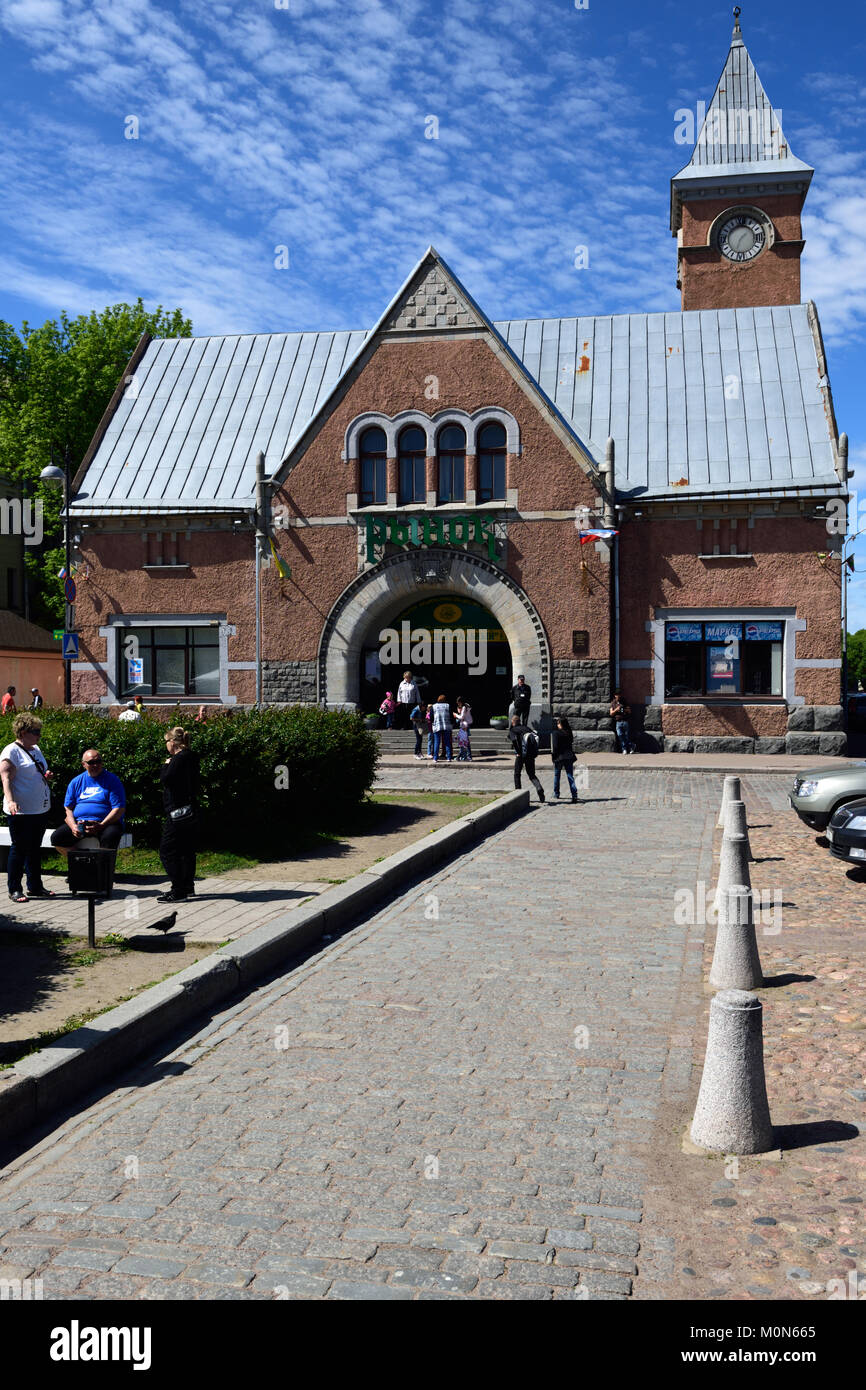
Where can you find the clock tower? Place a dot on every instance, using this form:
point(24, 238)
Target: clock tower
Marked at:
point(735, 207)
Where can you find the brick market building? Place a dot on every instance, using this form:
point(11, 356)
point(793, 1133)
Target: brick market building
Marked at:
point(440, 473)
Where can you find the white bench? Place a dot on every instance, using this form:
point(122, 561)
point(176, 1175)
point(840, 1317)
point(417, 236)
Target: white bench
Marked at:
point(89, 842)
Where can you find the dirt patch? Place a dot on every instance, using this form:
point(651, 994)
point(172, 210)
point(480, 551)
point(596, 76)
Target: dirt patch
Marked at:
point(402, 820)
point(48, 982)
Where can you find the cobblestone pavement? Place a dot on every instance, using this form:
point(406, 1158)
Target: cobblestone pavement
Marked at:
point(478, 1093)
point(789, 1227)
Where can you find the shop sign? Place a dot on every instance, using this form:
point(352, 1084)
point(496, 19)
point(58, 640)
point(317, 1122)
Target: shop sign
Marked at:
point(724, 632)
point(763, 632)
point(683, 632)
point(418, 531)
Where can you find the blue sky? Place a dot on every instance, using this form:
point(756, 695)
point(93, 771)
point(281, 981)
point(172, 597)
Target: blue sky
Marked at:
point(303, 124)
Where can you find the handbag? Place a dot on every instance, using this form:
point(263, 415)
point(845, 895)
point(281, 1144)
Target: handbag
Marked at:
point(182, 813)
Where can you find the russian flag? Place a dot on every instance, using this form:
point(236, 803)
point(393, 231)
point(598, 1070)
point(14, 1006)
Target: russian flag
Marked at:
point(596, 536)
point(61, 573)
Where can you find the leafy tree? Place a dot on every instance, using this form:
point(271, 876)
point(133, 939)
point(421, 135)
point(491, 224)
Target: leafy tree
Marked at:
point(856, 658)
point(55, 383)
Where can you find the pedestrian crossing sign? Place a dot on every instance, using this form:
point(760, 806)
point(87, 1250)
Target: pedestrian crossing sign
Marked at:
point(70, 646)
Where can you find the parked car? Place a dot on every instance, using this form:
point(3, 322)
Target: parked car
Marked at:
point(847, 832)
point(819, 792)
point(857, 711)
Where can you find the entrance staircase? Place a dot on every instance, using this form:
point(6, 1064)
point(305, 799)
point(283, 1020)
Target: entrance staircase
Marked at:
point(486, 743)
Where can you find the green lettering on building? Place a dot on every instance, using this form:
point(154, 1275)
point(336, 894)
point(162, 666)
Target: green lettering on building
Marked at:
point(463, 529)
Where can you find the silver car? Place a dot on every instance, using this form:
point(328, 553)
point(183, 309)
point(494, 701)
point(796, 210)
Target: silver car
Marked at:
point(820, 791)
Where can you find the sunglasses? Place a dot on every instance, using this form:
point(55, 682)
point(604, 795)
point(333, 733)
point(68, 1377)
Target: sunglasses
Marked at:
point(92, 762)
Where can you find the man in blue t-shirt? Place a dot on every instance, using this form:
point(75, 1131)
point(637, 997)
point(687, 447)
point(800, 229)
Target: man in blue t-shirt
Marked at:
point(95, 802)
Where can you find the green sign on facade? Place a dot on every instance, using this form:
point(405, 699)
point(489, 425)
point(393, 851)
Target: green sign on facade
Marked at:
point(430, 530)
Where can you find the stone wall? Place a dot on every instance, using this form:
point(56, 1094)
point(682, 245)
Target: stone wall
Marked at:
point(289, 682)
point(580, 684)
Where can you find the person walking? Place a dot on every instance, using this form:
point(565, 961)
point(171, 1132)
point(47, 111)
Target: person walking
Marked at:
point(179, 775)
point(139, 704)
point(7, 704)
point(562, 753)
point(130, 714)
point(387, 708)
point(521, 698)
point(419, 724)
point(525, 744)
point(37, 702)
point(26, 802)
point(620, 713)
point(95, 802)
point(407, 697)
point(442, 729)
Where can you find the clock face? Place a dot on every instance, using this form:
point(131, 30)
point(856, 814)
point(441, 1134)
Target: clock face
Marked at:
point(742, 237)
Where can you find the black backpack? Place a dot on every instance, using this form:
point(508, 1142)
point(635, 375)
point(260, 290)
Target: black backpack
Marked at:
point(530, 744)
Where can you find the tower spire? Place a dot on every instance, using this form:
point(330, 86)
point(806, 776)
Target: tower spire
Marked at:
point(737, 36)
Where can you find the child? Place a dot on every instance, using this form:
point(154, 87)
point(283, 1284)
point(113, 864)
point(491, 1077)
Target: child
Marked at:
point(388, 708)
point(419, 724)
point(464, 719)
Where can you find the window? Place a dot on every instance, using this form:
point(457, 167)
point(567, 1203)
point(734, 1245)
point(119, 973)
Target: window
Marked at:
point(723, 658)
point(374, 461)
point(452, 464)
point(168, 661)
point(491, 463)
point(412, 455)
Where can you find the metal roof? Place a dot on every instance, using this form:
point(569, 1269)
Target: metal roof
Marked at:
point(725, 399)
point(741, 131)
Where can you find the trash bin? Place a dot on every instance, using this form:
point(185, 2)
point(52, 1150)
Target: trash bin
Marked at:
point(92, 871)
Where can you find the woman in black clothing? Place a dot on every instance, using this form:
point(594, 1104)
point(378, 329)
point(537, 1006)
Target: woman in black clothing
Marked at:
point(179, 777)
point(562, 752)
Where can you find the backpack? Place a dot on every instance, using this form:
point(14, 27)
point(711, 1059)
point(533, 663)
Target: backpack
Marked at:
point(530, 744)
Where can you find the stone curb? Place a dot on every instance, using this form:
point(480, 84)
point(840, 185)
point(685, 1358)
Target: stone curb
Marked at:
point(47, 1080)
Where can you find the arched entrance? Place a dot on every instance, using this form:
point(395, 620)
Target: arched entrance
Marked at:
point(452, 644)
point(399, 581)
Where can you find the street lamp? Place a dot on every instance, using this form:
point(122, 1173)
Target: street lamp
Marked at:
point(62, 477)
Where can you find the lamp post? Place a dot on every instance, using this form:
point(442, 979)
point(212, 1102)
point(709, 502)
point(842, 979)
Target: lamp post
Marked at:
point(62, 477)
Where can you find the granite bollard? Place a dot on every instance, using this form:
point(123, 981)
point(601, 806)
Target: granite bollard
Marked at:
point(732, 1115)
point(736, 963)
point(730, 792)
point(733, 858)
point(737, 824)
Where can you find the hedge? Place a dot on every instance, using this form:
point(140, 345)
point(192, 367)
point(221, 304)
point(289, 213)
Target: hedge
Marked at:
point(328, 759)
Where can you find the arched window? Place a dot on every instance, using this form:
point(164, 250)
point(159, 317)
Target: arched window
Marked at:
point(373, 452)
point(412, 454)
point(491, 463)
point(452, 464)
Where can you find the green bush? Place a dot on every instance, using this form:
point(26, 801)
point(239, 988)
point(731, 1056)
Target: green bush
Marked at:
point(328, 756)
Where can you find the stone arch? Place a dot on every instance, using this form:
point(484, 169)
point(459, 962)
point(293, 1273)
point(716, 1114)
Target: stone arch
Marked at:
point(398, 579)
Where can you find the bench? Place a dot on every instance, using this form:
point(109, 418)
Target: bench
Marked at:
point(89, 842)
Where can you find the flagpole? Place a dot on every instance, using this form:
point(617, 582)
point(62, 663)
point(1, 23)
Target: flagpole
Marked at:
point(70, 611)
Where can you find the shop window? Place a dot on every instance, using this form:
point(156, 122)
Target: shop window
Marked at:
point(374, 464)
point(723, 658)
point(168, 661)
point(491, 463)
point(412, 455)
point(452, 464)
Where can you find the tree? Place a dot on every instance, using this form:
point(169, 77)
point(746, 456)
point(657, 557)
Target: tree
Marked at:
point(55, 383)
point(857, 659)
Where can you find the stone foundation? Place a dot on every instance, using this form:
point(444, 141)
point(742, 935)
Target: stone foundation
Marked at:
point(289, 682)
point(580, 683)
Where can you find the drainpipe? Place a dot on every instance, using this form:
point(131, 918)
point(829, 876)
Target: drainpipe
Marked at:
point(844, 474)
point(260, 540)
point(610, 521)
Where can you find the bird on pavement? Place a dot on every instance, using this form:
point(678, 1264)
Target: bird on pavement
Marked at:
point(165, 923)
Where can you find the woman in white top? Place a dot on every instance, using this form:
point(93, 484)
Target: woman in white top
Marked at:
point(441, 724)
point(26, 801)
